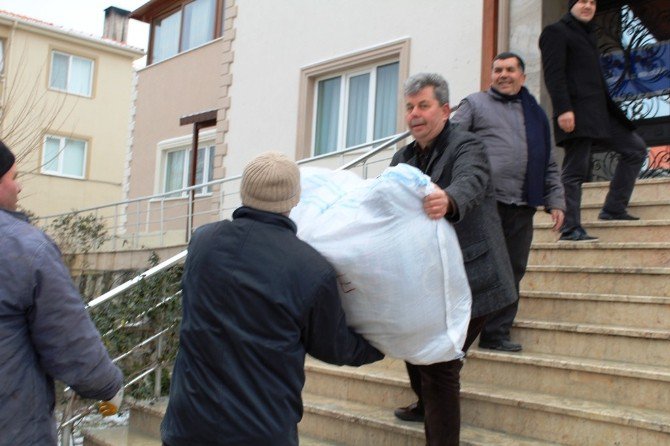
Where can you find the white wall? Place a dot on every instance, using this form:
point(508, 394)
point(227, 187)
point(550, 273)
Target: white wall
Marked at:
point(275, 39)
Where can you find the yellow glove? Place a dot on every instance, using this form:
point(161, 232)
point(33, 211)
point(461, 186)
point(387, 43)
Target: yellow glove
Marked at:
point(111, 407)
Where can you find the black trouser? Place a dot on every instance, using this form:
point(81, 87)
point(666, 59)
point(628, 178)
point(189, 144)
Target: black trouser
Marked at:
point(517, 224)
point(438, 387)
point(632, 150)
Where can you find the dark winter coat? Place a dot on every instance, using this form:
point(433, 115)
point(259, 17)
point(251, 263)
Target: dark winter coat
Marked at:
point(255, 300)
point(459, 165)
point(574, 79)
point(45, 334)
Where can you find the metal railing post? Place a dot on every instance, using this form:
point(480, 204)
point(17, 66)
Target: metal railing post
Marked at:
point(116, 227)
point(66, 432)
point(159, 369)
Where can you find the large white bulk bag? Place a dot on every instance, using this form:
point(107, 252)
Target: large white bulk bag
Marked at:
point(401, 275)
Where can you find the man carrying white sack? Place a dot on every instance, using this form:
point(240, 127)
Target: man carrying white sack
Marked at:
point(256, 299)
point(352, 222)
point(457, 163)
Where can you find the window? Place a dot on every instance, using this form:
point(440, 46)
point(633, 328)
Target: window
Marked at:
point(356, 107)
point(352, 99)
point(194, 23)
point(64, 156)
point(71, 74)
point(177, 169)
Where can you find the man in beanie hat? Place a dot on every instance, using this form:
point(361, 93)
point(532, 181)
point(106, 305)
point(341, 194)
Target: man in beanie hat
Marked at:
point(45, 331)
point(585, 114)
point(256, 299)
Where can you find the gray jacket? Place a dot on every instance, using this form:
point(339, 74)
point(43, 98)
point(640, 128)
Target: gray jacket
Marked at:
point(500, 126)
point(45, 334)
point(458, 164)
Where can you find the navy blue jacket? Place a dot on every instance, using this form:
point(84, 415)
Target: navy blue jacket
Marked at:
point(255, 300)
point(45, 334)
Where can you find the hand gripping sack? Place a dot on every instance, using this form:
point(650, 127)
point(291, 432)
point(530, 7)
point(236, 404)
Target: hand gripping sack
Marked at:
point(402, 281)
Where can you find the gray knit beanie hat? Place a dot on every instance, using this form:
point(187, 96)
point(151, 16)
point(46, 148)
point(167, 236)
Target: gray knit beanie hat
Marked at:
point(7, 159)
point(271, 182)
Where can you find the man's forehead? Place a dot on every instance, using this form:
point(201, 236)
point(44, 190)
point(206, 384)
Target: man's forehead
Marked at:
point(506, 62)
point(427, 92)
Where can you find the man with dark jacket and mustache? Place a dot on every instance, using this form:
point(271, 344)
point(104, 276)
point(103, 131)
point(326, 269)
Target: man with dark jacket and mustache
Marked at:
point(584, 114)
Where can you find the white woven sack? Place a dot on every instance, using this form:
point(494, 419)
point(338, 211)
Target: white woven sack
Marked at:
point(401, 275)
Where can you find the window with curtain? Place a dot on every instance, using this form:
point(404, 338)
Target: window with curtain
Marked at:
point(64, 156)
point(71, 74)
point(198, 23)
point(166, 36)
point(194, 23)
point(355, 107)
point(177, 169)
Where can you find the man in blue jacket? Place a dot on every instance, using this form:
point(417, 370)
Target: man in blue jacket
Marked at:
point(256, 299)
point(45, 331)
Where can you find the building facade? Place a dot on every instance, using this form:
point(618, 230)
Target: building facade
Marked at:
point(65, 111)
point(306, 78)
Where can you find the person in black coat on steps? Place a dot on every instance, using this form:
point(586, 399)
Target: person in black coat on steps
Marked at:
point(584, 114)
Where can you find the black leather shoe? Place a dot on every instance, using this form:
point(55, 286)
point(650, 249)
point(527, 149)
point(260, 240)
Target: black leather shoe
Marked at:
point(625, 216)
point(503, 346)
point(577, 235)
point(410, 413)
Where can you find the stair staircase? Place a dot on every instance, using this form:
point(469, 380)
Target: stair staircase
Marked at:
point(594, 321)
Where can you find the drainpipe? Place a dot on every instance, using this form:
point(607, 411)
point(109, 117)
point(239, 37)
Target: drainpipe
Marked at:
point(3, 76)
point(503, 25)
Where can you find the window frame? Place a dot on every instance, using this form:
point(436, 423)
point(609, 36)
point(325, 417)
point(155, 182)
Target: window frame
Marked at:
point(397, 51)
point(343, 118)
point(3, 55)
point(206, 140)
point(61, 151)
point(179, 6)
point(70, 57)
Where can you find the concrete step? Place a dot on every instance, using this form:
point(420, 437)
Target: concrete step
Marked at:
point(146, 416)
point(641, 386)
point(598, 280)
point(647, 210)
point(123, 436)
point(564, 420)
point(599, 342)
point(118, 436)
point(652, 189)
point(602, 254)
point(641, 231)
point(384, 384)
point(651, 312)
point(355, 424)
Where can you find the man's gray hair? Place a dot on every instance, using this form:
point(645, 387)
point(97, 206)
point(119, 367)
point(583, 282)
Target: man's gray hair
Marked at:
point(415, 83)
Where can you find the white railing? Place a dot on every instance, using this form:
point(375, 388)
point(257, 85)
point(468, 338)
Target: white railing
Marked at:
point(168, 219)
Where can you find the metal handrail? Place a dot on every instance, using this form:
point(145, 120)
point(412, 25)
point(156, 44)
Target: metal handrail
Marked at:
point(397, 138)
point(176, 194)
point(142, 314)
point(148, 273)
point(90, 408)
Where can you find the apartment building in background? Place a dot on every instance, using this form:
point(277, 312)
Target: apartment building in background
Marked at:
point(65, 110)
